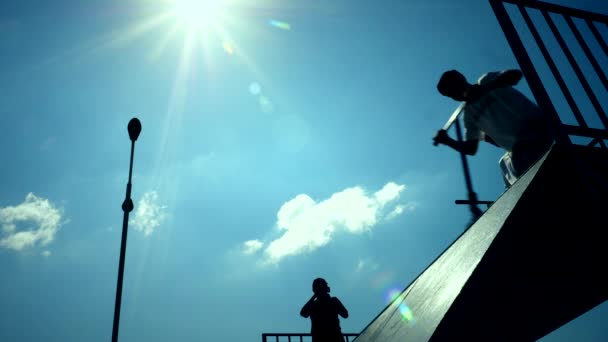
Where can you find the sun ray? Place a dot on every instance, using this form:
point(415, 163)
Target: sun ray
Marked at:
point(164, 41)
point(177, 100)
point(204, 43)
point(244, 57)
point(107, 41)
point(166, 172)
point(134, 31)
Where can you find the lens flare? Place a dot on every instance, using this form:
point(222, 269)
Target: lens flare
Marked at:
point(266, 105)
point(280, 25)
point(406, 314)
point(228, 47)
point(255, 88)
point(392, 294)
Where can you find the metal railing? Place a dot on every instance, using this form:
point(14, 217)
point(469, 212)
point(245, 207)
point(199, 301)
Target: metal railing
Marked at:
point(563, 131)
point(549, 13)
point(266, 337)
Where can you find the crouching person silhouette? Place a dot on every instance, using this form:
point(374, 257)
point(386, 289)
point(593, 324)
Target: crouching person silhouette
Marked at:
point(502, 116)
point(323, 311)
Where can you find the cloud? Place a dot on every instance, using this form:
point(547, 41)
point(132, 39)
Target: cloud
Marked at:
point(396, 212)
point(400, 209)
point(46, 254)
point(149, 214)
point(307, 225)
point(365, 265)
point(33, 222)
point(252, 246)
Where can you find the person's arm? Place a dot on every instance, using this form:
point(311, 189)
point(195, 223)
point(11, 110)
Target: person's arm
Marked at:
point(467, 147)
point(305, 312)
point(341, 309)
point(507, 78)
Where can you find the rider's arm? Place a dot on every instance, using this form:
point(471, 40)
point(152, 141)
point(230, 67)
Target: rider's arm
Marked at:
point(467, 147)
point(507, 78)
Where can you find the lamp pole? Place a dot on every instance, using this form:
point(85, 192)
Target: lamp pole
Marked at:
point(134, 128)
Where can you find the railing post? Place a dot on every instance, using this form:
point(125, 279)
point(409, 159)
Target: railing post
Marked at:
point(525, 63)
point(577, 69)
point(597, 35)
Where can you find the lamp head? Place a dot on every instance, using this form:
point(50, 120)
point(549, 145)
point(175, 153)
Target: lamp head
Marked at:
point(134, 129)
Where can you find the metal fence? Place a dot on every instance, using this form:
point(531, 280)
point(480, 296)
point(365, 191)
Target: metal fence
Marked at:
point(276, 337)
point(547, 15)
point(584, 29)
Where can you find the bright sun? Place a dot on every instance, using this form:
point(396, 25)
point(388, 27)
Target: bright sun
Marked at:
point(197, 14)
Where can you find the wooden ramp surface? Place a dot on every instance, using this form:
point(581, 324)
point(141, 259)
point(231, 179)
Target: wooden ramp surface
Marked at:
point(534, 261)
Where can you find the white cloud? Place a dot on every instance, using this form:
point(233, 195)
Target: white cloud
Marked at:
point(252, 246)
point(365, 264)
point(400, 209)
point(149, 214)
point(396, 212)
point(307, 225)
point(33, 222)
point(46, 253)
point(388, 193)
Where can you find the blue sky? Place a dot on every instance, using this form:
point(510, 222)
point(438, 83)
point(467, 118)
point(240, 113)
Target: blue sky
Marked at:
point(271, 153)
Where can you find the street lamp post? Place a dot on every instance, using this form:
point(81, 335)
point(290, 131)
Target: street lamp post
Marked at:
point(134, 129)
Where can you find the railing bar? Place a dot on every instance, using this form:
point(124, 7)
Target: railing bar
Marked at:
point(598, 36)
point(597, 141)
point(301, 338)
point(586, 132)
point(558, 77)
point(596, 66)
point(574, 12)
point(534, 82)
point(577, 69)
point(593, 142)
